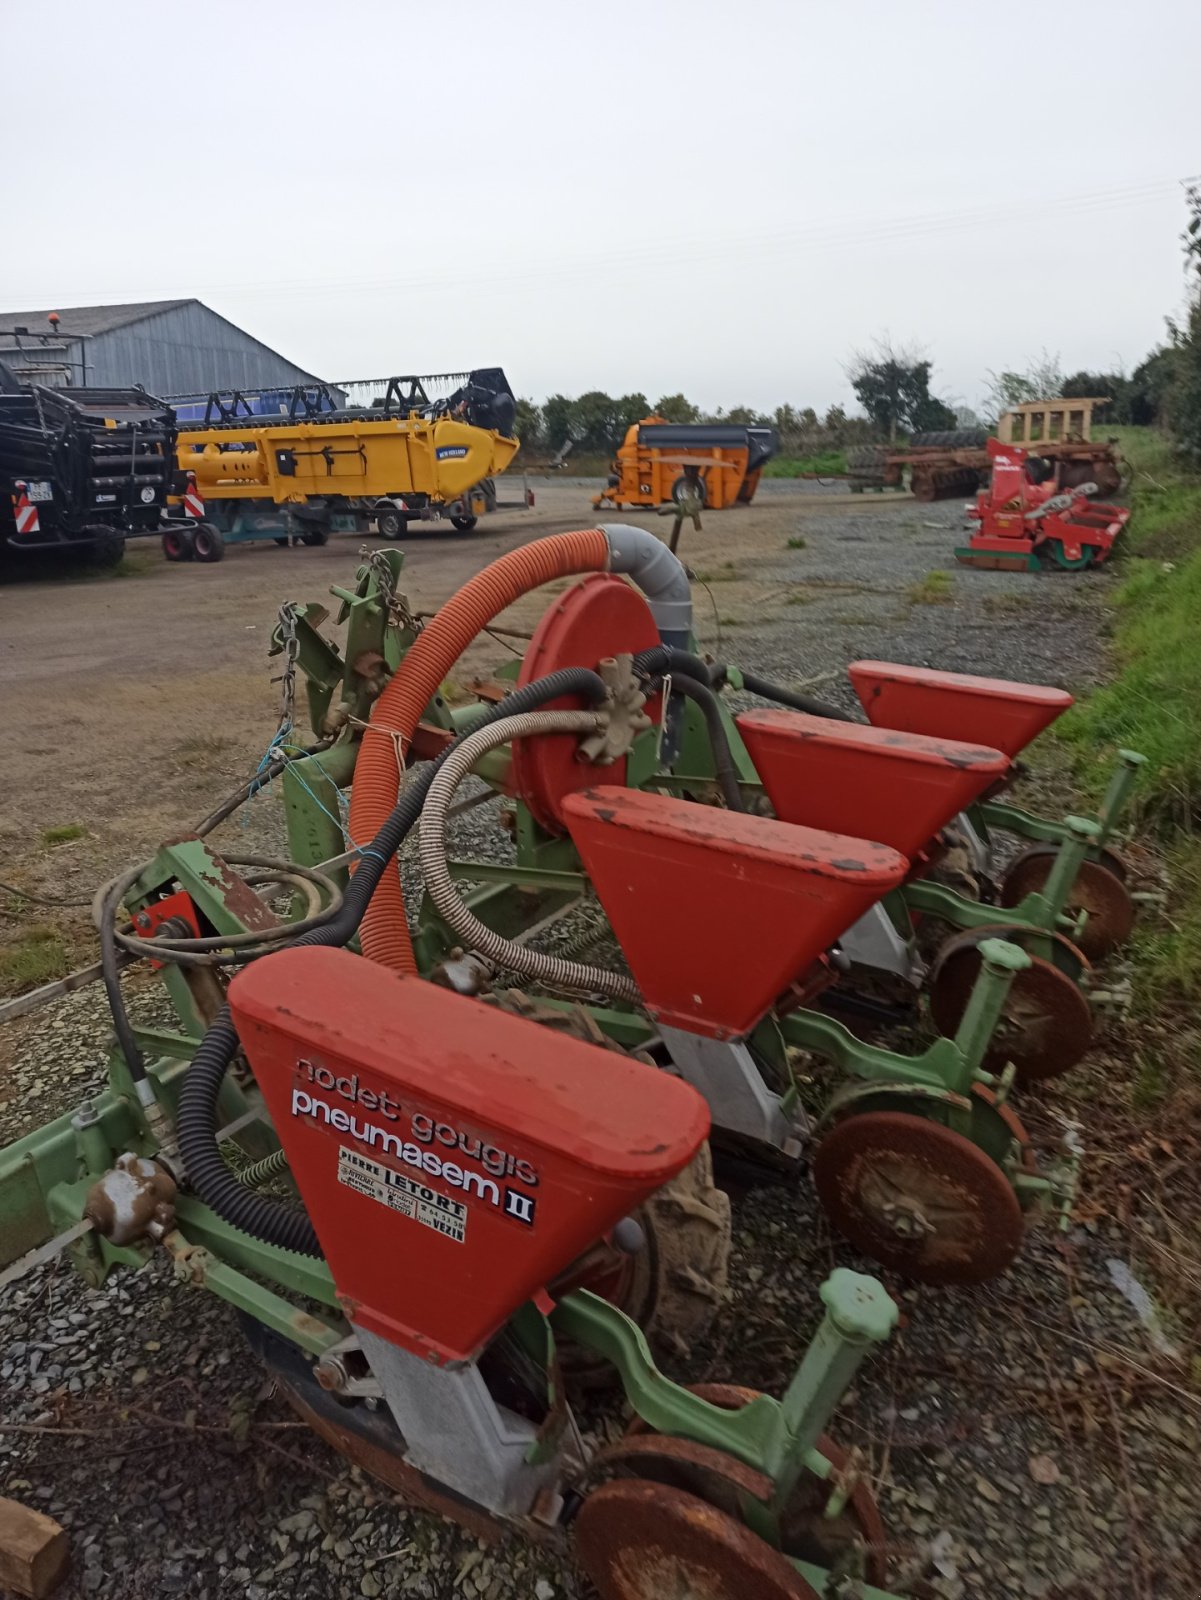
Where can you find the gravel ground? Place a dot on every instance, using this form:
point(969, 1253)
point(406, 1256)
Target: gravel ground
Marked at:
point(1030, 1439)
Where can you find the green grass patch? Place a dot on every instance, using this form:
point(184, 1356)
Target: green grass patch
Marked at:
point(1154, 704)
point(36, 955)
point(935, 589)
point(826, 464)
point(64, 833)
point(726, 573)
point(1167, 949)
point(797, 542)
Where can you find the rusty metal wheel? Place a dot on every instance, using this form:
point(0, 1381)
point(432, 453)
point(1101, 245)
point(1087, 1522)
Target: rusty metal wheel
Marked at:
point(1099, 889)
point(919, 1198)
point(1046, 1024)
point(805, 1532)
point(645, 1541)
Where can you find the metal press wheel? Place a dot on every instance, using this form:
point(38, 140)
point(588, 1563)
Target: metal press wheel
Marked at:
point(1046, 1023)
point(918, 1197)
point(639, 1540)
point(1100, 889)
point(854, 1538)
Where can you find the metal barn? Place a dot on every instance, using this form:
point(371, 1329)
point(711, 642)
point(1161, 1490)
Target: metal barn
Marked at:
point(170, 347)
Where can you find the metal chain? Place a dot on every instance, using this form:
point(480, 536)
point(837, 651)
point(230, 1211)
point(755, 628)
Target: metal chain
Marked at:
point(399, 614)
point(287, 678)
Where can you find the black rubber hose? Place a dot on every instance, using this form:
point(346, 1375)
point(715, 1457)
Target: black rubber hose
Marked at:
point(690, 676)
point(723, 758)
point(110, 964)
point(786, 697)
point(264, 1218)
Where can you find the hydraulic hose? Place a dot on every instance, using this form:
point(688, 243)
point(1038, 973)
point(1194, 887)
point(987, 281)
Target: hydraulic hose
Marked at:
point(448, 902)
point(723, 759)
point(394, 717)
point(787, 697)
point(691, 677)
point(260, 1215)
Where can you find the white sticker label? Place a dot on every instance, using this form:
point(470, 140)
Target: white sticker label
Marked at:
point(398, 1193)
point(40, 492)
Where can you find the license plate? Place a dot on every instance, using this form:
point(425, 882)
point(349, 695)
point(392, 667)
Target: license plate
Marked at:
point(39, 493)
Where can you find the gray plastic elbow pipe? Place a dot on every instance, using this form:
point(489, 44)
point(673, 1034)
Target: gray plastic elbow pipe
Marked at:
point(659, 574)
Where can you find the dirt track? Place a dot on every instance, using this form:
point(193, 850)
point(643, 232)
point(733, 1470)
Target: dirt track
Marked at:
point(132, 703)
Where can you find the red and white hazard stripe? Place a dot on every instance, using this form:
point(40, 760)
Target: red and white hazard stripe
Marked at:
point(24, 511)
point(193, 500)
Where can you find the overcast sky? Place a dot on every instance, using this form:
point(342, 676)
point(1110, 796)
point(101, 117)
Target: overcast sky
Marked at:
point(697, 195)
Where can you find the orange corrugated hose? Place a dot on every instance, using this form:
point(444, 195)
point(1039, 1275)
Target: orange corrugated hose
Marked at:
point(394, 717)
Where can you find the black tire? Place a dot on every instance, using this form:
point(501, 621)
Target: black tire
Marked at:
point(208, 543)
point(391, 524)
point(282, 543)
point(681, 487)
point(315, 537)
point(676, 1283)
point(464, 524)
point(106, 549)
point(950, 439)
point(178, 544)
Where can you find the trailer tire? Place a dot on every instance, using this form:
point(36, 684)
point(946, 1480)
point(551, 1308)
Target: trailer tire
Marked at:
point(682, 487)
point(106, 548)
point(391, 524)
point(464, 524)
point(315, 537)
point(178, 544)
point(208, 543)
point(950, 439)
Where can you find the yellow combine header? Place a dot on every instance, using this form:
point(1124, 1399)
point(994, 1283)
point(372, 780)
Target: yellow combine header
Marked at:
point(328, 467)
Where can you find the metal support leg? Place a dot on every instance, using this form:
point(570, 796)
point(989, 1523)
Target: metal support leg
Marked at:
point(1120, 785)
point(726, 1073)
point(1001, 963)
point(1082, 836)
point(859, 1314)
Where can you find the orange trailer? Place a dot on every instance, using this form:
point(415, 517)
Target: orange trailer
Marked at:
point(659, 459)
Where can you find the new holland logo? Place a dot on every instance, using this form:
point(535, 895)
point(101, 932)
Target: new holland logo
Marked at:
point(451, 452)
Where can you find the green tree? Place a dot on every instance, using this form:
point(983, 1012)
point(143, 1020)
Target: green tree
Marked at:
point(1182, 396)
point(529, 425)
point(893, 387)
point(675, 408)
point(1041, 380)
point(631, 408)
point(930, 415)
point(597, 421)
point(559, 421)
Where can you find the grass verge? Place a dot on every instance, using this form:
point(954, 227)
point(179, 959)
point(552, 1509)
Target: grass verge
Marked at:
point(1154, 705)
point(826, 464)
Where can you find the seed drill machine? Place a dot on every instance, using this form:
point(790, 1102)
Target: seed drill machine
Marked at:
point(452, 1160)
